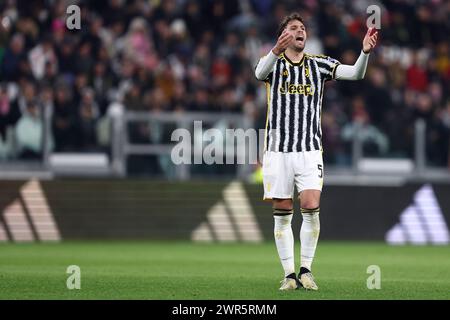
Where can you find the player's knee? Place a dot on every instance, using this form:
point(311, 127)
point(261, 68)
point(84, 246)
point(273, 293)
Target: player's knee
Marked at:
point(309, 199)
point(283, 204)
point(282, 214)
point(310, 204)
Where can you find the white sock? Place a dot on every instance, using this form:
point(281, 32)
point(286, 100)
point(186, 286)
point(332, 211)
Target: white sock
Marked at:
point(284, 240)
point(309, 235)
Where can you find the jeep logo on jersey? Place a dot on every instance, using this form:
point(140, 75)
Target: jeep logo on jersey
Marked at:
point(289, 88)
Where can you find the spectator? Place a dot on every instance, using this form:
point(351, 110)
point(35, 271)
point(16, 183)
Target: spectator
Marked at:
point(30, 133)
point(64, 117)
point(89, 114)
point(9, 112)
point(27, 93)
point(138, 46)
point(84, 61)
point(12, 58)
point(374, 142)
point(416, 74)
point(377, 96)
point(66, 56)
point(193, 18)
point(103, 84)
point(133, 98)
point(41, 58)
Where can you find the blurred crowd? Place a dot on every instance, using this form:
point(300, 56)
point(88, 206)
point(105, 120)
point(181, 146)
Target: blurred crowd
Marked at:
point(199, 55)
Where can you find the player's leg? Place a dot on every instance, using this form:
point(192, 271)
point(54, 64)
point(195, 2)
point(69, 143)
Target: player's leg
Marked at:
point(309, 183)
point(279, 187)
point(284, 240)
point(310, 229)
point(309, 235)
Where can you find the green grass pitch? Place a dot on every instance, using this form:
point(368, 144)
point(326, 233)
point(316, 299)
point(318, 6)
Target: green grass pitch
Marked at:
point(183, 270)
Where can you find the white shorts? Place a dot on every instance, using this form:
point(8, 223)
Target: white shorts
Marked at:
point(282, 170)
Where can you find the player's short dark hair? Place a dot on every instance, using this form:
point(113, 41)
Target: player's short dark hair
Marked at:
point(287, 19)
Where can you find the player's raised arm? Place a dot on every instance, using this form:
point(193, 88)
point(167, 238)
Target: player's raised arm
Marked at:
point(358, 70)
point(266, 63)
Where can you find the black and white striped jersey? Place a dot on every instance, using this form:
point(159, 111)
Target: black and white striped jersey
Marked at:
point(294, 98)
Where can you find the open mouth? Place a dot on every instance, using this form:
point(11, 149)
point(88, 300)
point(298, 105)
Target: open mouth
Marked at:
point(299, 38)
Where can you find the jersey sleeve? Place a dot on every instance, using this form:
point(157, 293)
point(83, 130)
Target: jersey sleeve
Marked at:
point(327, 66)
point(268, 78)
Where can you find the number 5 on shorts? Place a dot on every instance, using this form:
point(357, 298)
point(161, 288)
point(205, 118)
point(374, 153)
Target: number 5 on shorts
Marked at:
point(319, 166)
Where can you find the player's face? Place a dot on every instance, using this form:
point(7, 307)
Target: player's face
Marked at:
point(298, 30)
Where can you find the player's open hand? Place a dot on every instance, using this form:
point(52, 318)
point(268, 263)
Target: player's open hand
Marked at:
point(283, 42)
point(370, 40)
